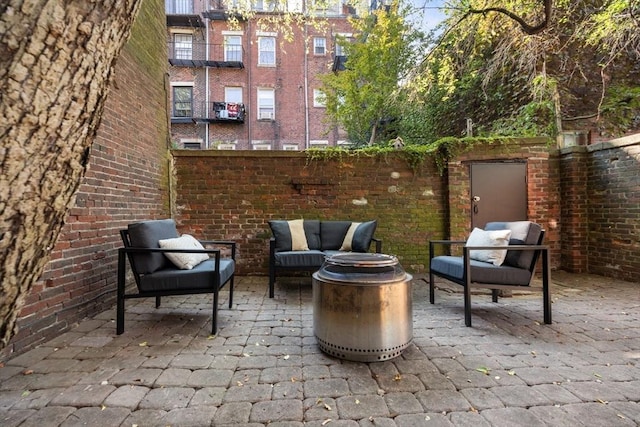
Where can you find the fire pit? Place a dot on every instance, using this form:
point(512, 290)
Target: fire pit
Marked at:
point(362, 307)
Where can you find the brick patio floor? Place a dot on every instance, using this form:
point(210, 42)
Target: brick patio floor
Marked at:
point(265, 368)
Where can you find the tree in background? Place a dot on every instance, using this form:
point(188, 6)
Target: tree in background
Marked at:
point(56, 64)
point(366, 98)
point(581, 65)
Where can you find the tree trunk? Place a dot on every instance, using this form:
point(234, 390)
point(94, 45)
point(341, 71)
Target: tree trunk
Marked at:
point(56, 63)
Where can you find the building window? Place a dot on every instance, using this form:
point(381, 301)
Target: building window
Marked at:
point(233, 94)
point(319, 45)
point(318, 143)
point(191, 143)
point(266, 104)
point(179, 7)
point(266, 51)
point(340, 42)
point(319, 99)
point(182, 101)
point(290, 147)
point(183, 46)
point(233, 48)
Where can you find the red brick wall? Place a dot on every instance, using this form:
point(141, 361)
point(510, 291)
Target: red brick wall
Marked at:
point(232, 195)
point(126, 181)
point(542, 185)
point(613, 207)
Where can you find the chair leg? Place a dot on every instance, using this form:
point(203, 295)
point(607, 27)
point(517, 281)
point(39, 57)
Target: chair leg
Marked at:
point(120, 294)
point(214, 314)
point(432, 293)
point(467, 305)
point(157, 302)
point(231, 291)
point(272, 280)
point(546, 291)
point(494, 295)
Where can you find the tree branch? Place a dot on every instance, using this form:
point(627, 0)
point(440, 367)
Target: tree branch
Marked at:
point(528, 29)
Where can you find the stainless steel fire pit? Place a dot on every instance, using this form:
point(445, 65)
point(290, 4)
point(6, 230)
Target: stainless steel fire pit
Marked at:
point(362, 307)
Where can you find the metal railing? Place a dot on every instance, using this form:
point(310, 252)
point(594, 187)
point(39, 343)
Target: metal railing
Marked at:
point(211, 111)
point(197, 51)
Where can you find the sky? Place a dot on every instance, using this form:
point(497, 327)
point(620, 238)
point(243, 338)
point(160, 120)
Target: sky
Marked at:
point(430, 13)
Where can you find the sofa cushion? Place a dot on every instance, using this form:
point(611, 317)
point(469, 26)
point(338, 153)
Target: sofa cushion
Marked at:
point(288, 234)
point(358, 237)
point(522, 233)
point(497, 238)
point(481, 272)
point(202, 276)
point(310, 258)
point(332, 234)
point(147, 234)
point(184, 260)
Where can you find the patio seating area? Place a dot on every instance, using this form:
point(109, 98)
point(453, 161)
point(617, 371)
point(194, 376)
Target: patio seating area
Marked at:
point(264, 366)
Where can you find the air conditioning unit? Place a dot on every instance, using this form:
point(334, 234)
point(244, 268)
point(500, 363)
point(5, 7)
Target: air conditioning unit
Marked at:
point(266, 115)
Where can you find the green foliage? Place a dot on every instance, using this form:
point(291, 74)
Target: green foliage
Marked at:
point(365, 99)
point(439, 151)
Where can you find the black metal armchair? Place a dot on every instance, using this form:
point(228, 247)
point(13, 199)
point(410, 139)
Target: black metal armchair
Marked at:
point(515, 272)
point(157, 276)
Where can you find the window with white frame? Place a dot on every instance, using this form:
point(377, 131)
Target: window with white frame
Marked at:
point(266, 50)
point(233, 48)
point(233, 94)
point(183, 46)
point(319, 143)
point(340, 42)
point(191, 143)
point(319, 45)
point(290, 147)
point(266, 104)
point(262, 146)
point(182, 101)
point(319, 98)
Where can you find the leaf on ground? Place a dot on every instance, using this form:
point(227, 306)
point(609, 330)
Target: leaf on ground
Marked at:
point(483, 370)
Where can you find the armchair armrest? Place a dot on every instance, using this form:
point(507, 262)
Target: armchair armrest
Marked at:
point(225, 243)
point(433, 243)
point(378, 243)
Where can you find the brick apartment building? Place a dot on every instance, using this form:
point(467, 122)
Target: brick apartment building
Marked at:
point(247, 87)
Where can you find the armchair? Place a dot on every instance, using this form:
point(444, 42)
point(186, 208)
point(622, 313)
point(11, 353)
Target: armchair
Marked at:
point(202, 271)
point(516, 271)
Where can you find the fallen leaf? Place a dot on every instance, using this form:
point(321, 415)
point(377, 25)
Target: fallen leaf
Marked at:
point(483, 370)
point(26, 393)
point(143, 344)
point(27, 372)
point(398, 377)
point(286, 357)
point(327, 421)
point(511, 373)
point(327, 407)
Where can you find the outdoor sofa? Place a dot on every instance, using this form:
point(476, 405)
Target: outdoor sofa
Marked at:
point(303, 245)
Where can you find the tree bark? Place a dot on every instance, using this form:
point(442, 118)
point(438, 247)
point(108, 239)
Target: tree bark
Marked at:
point(56, 64)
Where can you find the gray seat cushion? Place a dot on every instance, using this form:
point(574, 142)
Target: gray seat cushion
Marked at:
point(308, 258)
point(522, 233)
point(481, 272)
point(202, 276)
point(147, 234)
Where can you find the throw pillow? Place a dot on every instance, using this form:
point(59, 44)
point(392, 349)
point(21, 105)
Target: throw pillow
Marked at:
point(298, 238)
point(348, 239)
point(289, 235)
point(184, 260)
point(496, 238)
point(358, 237)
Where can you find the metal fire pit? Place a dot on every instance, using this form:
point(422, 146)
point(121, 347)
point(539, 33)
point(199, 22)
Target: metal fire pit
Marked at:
point(362, 307)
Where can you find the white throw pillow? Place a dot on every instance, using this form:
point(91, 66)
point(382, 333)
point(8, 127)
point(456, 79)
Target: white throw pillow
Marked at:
point(298, 237)
point(347, 243)
point(496, 238)
point(184, 261)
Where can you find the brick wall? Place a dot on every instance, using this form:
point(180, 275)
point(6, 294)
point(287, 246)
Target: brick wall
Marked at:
point(613, 208)
point(127, 180)
point(232, 195)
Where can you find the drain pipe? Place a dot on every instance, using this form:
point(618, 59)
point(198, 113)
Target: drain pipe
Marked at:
point(306, 80)
point(206, 85)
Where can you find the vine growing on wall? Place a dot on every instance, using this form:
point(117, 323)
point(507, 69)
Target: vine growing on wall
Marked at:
point(440, 151)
